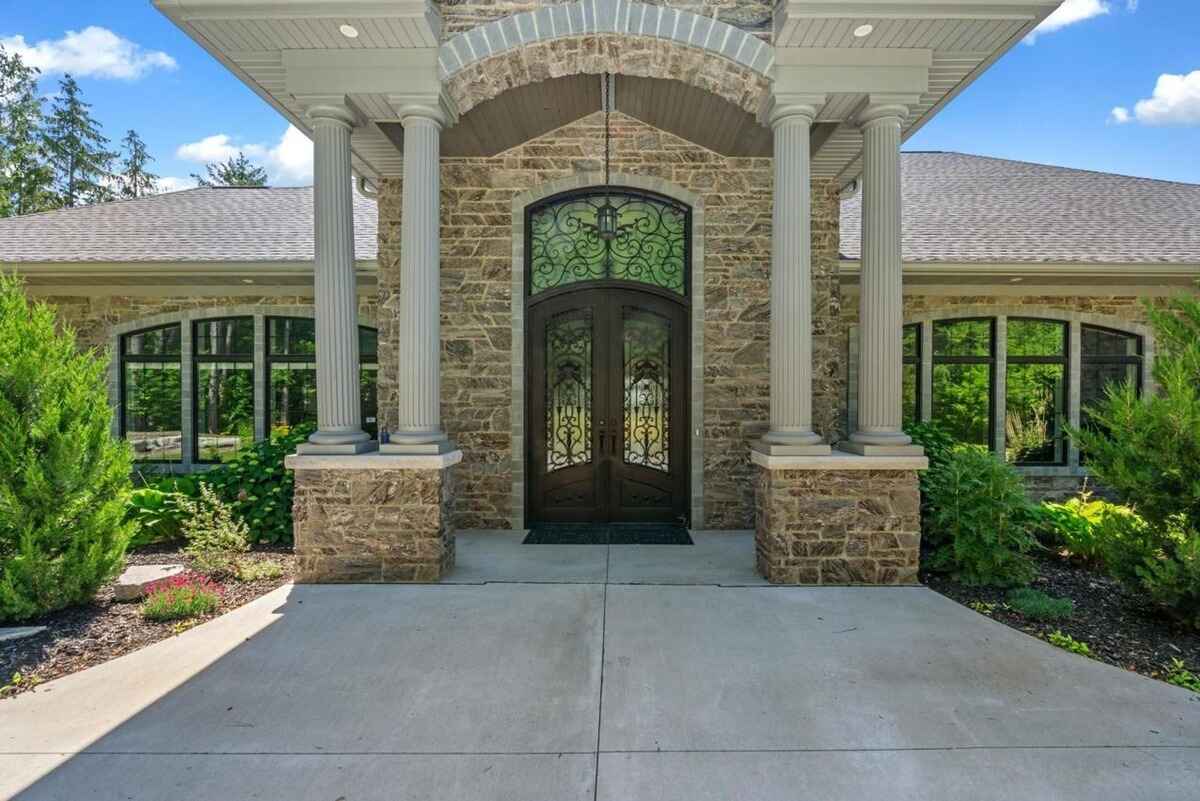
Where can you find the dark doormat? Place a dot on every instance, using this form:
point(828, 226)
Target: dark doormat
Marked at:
point(607, 534)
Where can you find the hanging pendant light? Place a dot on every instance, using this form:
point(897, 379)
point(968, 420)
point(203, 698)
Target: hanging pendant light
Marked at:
point(606, 215)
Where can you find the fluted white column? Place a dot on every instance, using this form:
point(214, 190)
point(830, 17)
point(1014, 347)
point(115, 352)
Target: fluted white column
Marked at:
point(881, 294)
point(339, 408)
point(791, 287)
point(420, 421)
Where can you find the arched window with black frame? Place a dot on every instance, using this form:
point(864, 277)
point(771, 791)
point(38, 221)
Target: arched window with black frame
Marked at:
point(150, 387)
point(223, 386)
point(1035, 389)
point(1107, 357)
point(292, 374)
point(964, 360)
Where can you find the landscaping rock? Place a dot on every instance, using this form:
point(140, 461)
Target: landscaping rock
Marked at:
point(20, 632)
point(132, 584)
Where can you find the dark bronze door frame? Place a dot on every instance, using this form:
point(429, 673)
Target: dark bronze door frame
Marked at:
point(608, 414)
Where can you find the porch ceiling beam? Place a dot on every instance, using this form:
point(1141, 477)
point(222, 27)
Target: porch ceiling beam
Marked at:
point(303, 9)
point(851, 70)
point(786, 10)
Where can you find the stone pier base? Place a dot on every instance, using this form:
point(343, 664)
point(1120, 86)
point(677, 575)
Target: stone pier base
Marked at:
point(841, 519)
point(373, 518)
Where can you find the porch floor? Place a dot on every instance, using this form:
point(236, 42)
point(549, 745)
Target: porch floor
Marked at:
point(723, 558)
point(582, 690)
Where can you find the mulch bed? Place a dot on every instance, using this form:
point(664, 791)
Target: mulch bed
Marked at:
point(83, 636)
point(1120, 627)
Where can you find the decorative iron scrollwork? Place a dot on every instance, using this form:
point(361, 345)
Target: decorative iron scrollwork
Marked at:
point(568, 390)
point(647, 351)
point(649, 247)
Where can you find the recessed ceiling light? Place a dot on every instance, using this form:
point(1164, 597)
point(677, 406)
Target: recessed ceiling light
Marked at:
point(863, 30)
point(349, 31)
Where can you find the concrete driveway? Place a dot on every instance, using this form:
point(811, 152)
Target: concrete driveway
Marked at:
point(598, 690)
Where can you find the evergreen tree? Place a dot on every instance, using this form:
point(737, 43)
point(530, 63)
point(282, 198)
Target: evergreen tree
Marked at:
point(26, 181)
point(64, 480)
point(78, 151)
point(135, 180)
point(235, 171)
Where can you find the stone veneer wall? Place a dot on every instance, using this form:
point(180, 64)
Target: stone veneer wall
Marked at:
point(477, 304)
point(365, 526)
point(94, 317)
point(837, 526)
point(749, 15)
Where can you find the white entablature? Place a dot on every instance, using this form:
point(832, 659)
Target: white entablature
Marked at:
point(294, 54)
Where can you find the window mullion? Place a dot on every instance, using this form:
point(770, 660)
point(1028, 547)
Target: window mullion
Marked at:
point(1074, 386)
point(1000, 383)
point(187, 429)
point(260, 377)
point(926, 372)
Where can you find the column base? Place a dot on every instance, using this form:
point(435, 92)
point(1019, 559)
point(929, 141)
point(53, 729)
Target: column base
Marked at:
point(781, 449)
point(417, 448)
point(868, 449)
point(344, 449)
point(839, 520)
point(373, 518)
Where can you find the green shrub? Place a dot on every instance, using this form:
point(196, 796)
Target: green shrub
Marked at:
point(1037, 605)
point(978, 520)
point(1180, 676)
point(63, 479)
point(181, 597)
point(215, 538)
point(1078, 524)
point(157, 514)
point(1147, 450)
point(259, 488)
point(248, 570)
point(1069, 643)
point(937, 441)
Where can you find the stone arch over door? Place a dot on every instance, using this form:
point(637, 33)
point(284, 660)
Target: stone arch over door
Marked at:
point(614, 36)
point(696, 289)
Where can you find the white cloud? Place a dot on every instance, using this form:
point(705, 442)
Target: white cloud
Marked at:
point(1069, 13)
point(1176, 101)
point(288, 161)
point(291, 161)
point(217, 147)
point(94, 52)
point(171, 183)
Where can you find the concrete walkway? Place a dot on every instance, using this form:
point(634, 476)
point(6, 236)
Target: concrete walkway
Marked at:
point(593, 689)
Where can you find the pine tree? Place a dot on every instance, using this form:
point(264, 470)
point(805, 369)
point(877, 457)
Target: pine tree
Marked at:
point(235, 171)
point(77, 150)
point(135, 180)
point(26, 181)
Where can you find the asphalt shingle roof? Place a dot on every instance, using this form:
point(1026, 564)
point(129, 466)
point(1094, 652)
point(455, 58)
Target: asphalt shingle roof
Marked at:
point(960, 209)
point(196, 225)
point(957, 209)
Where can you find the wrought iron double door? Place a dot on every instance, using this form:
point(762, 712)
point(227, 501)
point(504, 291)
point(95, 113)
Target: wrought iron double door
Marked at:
point(608, 413)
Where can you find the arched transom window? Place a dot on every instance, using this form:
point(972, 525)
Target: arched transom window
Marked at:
point(608, 235)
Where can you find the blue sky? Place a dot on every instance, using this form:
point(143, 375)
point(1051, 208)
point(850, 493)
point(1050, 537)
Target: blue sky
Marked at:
point(1050, 101)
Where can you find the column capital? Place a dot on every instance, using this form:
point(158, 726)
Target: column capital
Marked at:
point(784, 106)
point(417, 113)
point(886, 109)
point(332, 112)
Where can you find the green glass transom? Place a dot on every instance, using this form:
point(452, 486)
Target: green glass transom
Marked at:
point(649, 246)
